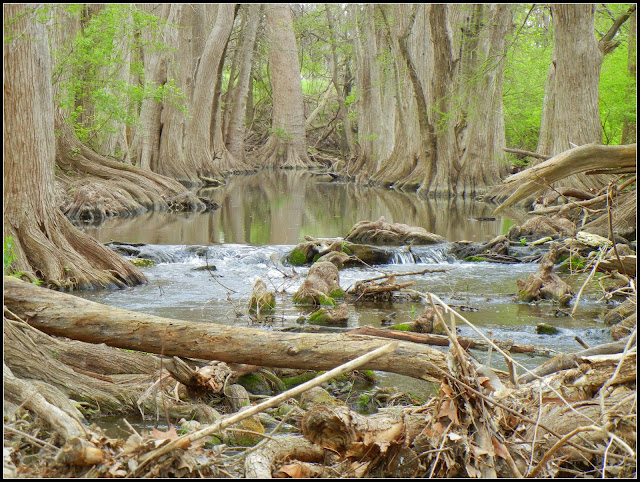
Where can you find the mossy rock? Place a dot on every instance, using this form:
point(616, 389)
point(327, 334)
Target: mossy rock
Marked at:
point(256, 384)
point(318, 396)
point(142, 262)
point(337, 293)
point(296, 257)
point(546, 329)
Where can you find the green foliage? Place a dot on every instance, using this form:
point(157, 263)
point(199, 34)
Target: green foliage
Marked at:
point(528, 60)
point(617, 95)
point(9, 255)
point(92, 69)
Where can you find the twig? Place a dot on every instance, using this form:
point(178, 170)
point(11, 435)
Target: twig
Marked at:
point(593, 271)
point(563, 440)
point(30, 437)
point(187, 439)
point(612, 237)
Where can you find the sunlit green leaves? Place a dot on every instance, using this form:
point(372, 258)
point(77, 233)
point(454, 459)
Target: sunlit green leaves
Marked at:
point(100, 73)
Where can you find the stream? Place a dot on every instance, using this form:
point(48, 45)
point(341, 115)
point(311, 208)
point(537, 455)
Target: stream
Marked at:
point(268, 213)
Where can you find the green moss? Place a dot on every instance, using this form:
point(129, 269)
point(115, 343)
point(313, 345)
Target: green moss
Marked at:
point(296, 257)
point(326, 300)
point(474, 259)
point(142, 262)
point(255, 383)
point(545, 329)
point(345, 248)
point(337, 293)
point(369, 374)
point(402, 327)
point(363, 401)
point(319, 316)
point(316, 258)
point(290, 382)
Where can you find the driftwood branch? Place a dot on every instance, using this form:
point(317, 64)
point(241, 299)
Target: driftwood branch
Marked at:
point(573, 161)
point(521, 152)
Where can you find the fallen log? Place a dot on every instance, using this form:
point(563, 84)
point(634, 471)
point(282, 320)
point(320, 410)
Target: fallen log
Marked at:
point(573, 161)
point(61, 314)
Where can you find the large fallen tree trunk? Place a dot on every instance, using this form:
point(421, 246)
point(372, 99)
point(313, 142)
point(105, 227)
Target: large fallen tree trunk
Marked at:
point(60, 314)
point(580, 159)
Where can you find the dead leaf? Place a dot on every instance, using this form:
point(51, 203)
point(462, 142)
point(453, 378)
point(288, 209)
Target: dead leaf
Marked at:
point(296, 470)
point(170, 434)
point(360, 468)
point(446, 389)
point(448, 409)
point(500, 448)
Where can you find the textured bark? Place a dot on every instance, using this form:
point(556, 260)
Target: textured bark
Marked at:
point(348, 144)
point(172, 161)
point(60, 314)
point(199, 142)
point(147, 135)
point(577, 160)
point(237, 117)
point(46, 245)
point(482, 164)
point(287, 145)
point(371, 136)
point(629, 126)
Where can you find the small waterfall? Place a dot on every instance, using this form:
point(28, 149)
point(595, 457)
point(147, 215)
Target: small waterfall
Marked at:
point(435, 254)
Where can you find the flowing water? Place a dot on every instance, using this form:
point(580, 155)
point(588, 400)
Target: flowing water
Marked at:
point(268, 213)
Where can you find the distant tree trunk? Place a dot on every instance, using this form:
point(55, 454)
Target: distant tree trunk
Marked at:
point(571, 113)
point(404, 167)
point(172, 161)
point(443, 163)
point(287, 145)
point(578, 62)
point(147, 136)
point(237, 118)
point(199, 146)
point(483, 161)
point(348, 143)
point(373, 144)
point(46, 244)
point(629, 126)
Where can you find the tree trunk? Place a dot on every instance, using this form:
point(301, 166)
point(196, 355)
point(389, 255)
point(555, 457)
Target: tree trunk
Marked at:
point(348, 146)
point(46, 245)
point(287, 145)
point(483, 162)
point(60, 314)
point(629, 126)
point(147, 135)
point(237, 118)
point(199, 142)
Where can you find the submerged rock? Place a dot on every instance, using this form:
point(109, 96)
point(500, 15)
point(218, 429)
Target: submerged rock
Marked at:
point(381, 232)
point(326, 316)
point(542, 226)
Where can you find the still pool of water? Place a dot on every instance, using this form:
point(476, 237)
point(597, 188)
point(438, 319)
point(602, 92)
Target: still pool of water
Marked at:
point(268, 213)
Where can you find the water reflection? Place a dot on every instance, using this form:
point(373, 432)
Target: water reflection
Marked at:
point(276, 207)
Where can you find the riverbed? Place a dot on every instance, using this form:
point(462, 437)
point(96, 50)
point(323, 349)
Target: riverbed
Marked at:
point(263, 216)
